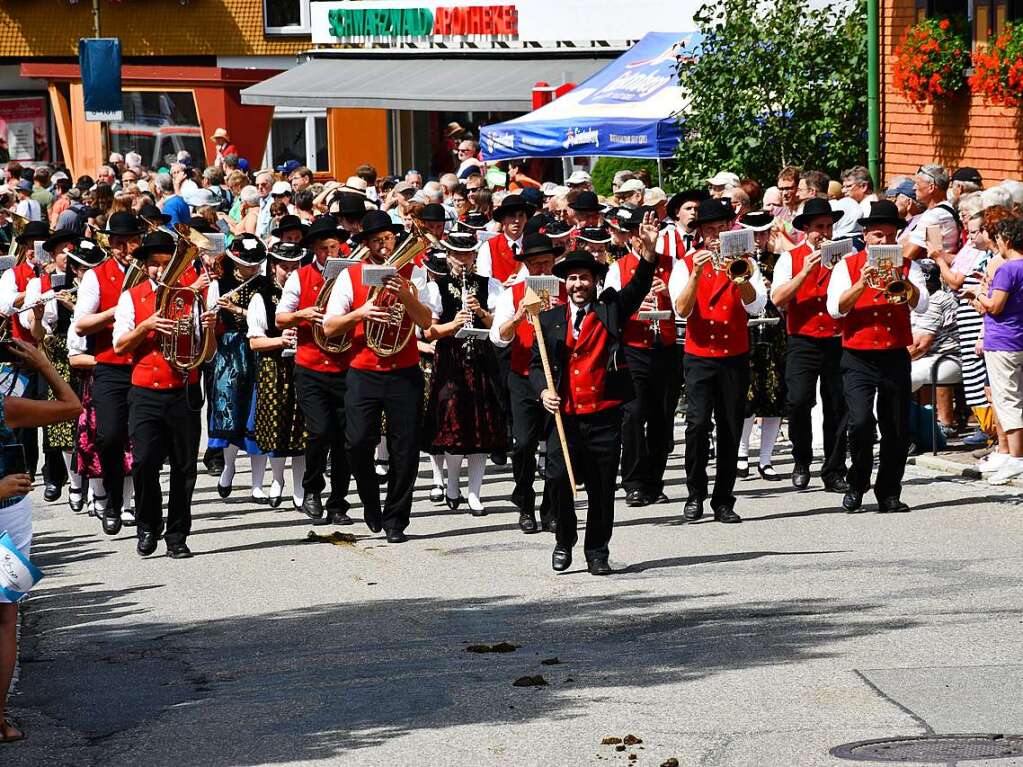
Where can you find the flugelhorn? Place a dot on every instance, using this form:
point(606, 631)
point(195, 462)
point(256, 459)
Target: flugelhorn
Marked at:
point(887, 261)
point(733, 255)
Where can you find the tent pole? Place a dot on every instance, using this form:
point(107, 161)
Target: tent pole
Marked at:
point(660, 173)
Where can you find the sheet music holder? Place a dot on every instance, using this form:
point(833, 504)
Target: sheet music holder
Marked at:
point(219, 240)
point(7, 262)
point(42, 256)
point(541, 283)
point(884, 255)
point(373, 276)
point(738, 242)
point(756, 321)
point(835, 251)
point(334, 266)
point(57, 282)
point(655, 315)
point(467, 332)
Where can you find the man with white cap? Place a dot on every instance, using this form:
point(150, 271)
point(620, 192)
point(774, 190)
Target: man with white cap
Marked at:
point(630, 194)
point(721, 182)
point(579, 179)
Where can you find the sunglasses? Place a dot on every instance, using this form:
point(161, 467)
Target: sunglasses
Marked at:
point(922, 172)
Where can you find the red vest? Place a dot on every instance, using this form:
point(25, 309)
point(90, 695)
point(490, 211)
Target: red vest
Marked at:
point(718, 325)
point(307, 354)
point(873, 324)
point(522, 343)
point(502, 262)
point(582, 380)
point(807, 312)
point(364, 358)
point(110, 278)
point(640, 333)
point(23, 274)
point(152, 371)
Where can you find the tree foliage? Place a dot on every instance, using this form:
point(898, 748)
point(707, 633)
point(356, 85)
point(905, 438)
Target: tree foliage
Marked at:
point(774, 84)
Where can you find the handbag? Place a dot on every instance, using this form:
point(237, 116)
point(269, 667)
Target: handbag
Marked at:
point(17, 573)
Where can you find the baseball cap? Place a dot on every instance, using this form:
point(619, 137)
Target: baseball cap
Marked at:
point(632, 185)
point(724, 178)
point(280, 187)
point(578, 177)
point(289, 166)
point(906, 188)
point(653, 196)
point(971, 175)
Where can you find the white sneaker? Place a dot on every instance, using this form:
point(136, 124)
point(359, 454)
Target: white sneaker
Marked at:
point(1010, 469)
point(992, 462)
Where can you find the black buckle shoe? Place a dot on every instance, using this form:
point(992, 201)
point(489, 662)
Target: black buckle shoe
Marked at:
point(76, 499)
point(111, 522)
point(836, 484)
point(800, 476)
point(147, 543)
point(179, 551)
point(51, 492)
point(561, 559)
point(852, 502)
point(727, 515)
point(312, 508)
point(693, 510)
point(892, 506)
point(527, 523)
point(599, 566)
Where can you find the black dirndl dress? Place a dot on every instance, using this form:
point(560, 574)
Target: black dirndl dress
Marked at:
point(277, 425)
point(464, 414)
point(234, 374)
point(768, 345)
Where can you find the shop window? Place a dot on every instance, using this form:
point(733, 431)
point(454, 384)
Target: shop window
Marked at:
point(286, 17)
point(159, 125)
point(300, 136)
point(928, 8)
point(990, 16)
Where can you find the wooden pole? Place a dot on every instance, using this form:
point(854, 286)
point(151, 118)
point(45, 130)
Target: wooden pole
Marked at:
point(532, 303)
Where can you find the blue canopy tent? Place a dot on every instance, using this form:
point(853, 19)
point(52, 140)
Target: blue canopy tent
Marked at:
point(629, 108)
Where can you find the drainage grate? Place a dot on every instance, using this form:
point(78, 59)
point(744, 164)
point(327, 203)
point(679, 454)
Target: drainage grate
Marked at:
point(932, 748)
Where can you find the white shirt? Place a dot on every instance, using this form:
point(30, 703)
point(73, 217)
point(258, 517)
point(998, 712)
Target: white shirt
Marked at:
point(841, 282)
point(263, 218)
point(33, 292)
point(576, 311)
point(782, 271)
point(865, 203)
point(292, 291)
point(124, 316)
point(30, 209)
point(939, 215)
point(76, 344)
point(504, 310)
point(680, 278)
point(87, 301)
point(484, 261)
point(614, 279)
point(257, 321)
point(8, 291)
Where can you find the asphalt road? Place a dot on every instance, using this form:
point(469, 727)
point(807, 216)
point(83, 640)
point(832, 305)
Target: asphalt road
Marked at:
point(766, 643)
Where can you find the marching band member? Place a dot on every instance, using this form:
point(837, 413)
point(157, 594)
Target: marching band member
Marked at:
point(583, 341)
point(98, 296)
point(800, 288)
point(234, 367)
point(595, 240)
point(716, 362)
point(529, 421)
point(276, 419)
point(875, 361)
point(289, 229)
point(320, 379)
point(679, 237)
point(392, 385)
point(497, 255)
point(163, 423)
point(464, 416)
point(655, 363)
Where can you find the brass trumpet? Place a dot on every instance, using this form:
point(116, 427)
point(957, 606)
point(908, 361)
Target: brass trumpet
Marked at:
point(888, 279)
point(734, 255)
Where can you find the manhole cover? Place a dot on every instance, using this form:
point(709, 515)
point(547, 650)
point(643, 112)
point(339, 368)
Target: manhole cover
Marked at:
point(932, 748)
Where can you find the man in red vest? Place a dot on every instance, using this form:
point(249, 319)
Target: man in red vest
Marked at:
point(875, 360)
point(98, 294)
point(512, 328)
point(800, 288)
point(655, 362)
point(497, 255)
point(391, 385)
point(320, 379)
point(716, 363)
point(164, 418)
point(584, 341)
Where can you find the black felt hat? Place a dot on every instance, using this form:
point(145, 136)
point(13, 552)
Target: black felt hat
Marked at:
point(813, 208)
point(579, 259)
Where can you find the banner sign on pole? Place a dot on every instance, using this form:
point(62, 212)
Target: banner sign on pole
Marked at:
point(100, 62)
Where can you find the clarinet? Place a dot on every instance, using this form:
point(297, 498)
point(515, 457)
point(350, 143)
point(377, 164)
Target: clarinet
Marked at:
point(470, 342)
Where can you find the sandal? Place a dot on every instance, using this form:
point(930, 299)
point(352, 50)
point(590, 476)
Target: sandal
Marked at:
point(5, 727)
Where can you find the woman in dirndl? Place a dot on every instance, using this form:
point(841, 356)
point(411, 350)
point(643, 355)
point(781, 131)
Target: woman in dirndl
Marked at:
point(15, 508)
point(233, 380)
point(464, 415)
point(768, 345)
point(275, 419)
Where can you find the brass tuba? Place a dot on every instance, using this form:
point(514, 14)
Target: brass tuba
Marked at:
point(183, 304)
point(888, 279)
point(344, 342)
point(389, 338)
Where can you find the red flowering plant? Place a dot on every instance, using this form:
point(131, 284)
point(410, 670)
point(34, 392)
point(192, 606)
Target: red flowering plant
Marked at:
point(931, 60)
point(998, 68)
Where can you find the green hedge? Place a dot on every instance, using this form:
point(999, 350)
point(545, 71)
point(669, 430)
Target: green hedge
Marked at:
point(605, 168)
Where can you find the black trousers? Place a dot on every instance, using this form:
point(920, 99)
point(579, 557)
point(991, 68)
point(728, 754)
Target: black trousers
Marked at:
point(595, 444)
point(504, 372)
point(715, 386)
point(163, 427)
point(110, 387)
point(649, 418)
point(807, 360)
point(398, 395)
point(886, 376)
point(529, 423)
point(321, 397)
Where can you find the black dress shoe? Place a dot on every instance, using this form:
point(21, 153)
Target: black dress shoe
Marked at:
point(111, 522)
point(179, 551)
point(852, 502)
point(727, 515)
point(222, 491)
point(76, 500)
point(742, 467)
point(275, 500)
point(51, 492)
point(836, 484)
point(892, 506)
point(599, 566)
point(661, 498)
point(499, 459)
point(561, 559)
point(527, 523)
point(339, 517)
point(453, 503)
point(636, 498)
point(147, 543)
point(767, 472)
point(396, 536)
point(800, 476)
point(693, 510)
point(437, 494)
point(312, 507)
point(549, 526)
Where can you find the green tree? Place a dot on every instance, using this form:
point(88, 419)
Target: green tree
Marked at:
point(772, 85)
